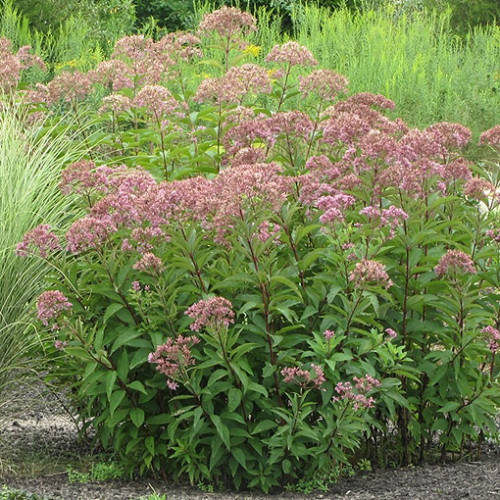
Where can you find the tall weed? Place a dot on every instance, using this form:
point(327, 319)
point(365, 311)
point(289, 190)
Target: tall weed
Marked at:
point(15, 26)
point(414, 60)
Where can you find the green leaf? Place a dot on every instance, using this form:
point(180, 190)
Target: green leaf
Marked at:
point(118, 417)
point(136, 385)
point(110, 383)
point(98, 340)
point(137, 416)
point(449, 407)
point(253, 386)
point(124, 337)
point(116, 399)
point(149, 442)
point(222, 430)
point(233, 398)
point(264, 425)
point(159, 419)
point(140, 357)
point(111, 310)
point(122, 366)
point(239, 456)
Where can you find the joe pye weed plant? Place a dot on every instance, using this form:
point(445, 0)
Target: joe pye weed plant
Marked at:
point(327, 289)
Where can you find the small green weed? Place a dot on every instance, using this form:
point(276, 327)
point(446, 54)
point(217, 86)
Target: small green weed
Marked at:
point(321, 482)
point(98, 472)
point(207, 488)
point(106, 471)
point(75, 476)
point(364, 465)
point(10, 494)
point(154, 496)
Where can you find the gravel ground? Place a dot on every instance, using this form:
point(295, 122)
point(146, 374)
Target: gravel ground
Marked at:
point(45, 432)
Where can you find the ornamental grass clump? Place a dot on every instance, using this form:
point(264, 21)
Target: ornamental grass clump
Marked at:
point(31, 160)
point(264, 291)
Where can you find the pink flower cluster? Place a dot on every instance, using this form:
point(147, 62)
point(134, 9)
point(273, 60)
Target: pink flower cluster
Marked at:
point(494, 338)
point(138, 61)
point(117, 103)
point(294, 126)
point(237, 83)
point(268, 230)
point(494, 234)
point(89, 233)
point(334, 207)
point(391, 333)
point(84, 177)
point(173, 357)
point(181, 45)
point(150, 263)
point(450, 135)
point(325, 83)
point(51, 304)
point(12, 64)
point(213, 313)
point(60, 344)
point(228, 22)
point(328, 334)
point(292, 54)
point(392, 217)
point(370, 272)
point(455, 261)
point(69, 86)
point(304, 378)
point(479, 188)
point(156, 99)
point(491, 137)
point(40, 240)
point(357, 394)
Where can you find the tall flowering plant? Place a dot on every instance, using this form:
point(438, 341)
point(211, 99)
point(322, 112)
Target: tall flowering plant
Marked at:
point(307, 286)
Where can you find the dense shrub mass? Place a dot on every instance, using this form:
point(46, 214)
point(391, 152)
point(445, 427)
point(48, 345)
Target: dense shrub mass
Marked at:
point(271, 277)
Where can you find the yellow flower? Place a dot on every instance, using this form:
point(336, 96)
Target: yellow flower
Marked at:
point(254, 50)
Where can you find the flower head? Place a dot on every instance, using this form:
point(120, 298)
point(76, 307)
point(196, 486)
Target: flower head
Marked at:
point(494, 338)
point(391, 333)
point(491, 137)
point(173, 357)
point(228, 22)
point(40, 240)
point(89, 233)
point(69, 86)
point(84, 177)
point(149, 263)
point(325, 83)
point(156, 99)
point(213, 312)
point(334, 206)
point(450, 135)
point(357, 394)
point(181, 45)
point(454, 261)
point(479, 188)
point(51, 304)
point(303, 377)
point(328, 334)
point(117, 103)
point(370, 272)
point(291, 53)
